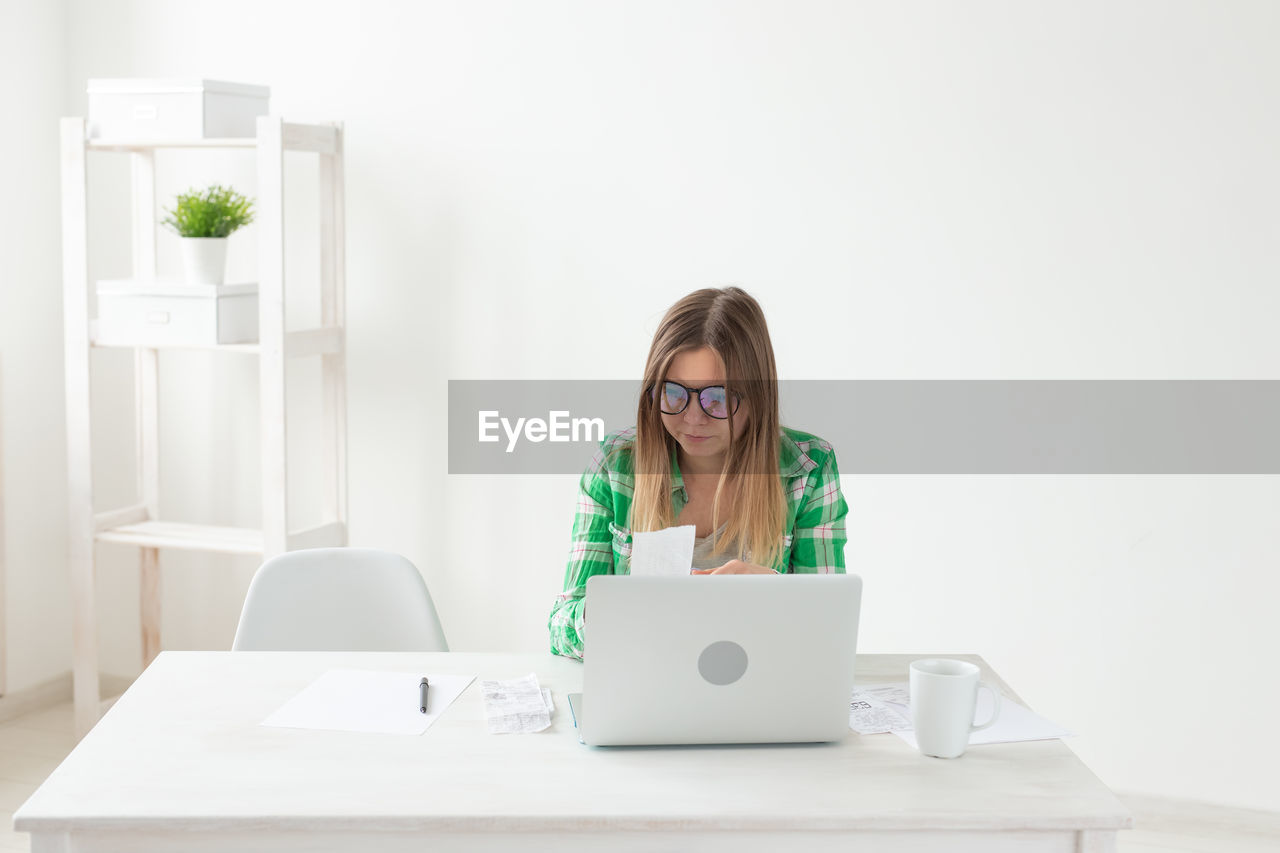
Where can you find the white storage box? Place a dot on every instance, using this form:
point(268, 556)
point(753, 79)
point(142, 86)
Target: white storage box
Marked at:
point(163, 313)
point(168, 110)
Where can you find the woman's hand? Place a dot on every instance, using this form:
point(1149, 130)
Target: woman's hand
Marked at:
point(735, 567)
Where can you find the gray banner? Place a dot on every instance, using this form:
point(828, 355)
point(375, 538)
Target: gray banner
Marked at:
point(909, 427)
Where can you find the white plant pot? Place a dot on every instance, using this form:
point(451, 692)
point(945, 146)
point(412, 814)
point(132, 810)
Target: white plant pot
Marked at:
point(204, 259)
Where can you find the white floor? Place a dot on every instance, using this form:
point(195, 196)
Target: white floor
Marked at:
point(32, 746)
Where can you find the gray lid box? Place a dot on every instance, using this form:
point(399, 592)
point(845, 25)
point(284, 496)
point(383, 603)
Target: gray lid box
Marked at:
point(167, 109)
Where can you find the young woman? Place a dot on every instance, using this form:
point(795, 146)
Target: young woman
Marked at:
point(706, 450)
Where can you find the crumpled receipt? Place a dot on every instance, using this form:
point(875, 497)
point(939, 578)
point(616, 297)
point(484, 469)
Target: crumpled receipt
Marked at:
point(516, 706)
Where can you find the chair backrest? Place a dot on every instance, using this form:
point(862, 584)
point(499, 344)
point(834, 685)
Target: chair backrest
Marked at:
point(339, 599)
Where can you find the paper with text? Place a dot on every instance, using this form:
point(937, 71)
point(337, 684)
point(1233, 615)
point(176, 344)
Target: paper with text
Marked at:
point(1016, 723)
point(658, 553)
point(878, 708)
point(516, 706)
point(357, 700)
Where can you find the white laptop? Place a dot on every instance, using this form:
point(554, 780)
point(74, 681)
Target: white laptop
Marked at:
point(717, 659)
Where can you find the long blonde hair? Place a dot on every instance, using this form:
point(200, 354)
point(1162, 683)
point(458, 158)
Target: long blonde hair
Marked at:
point(730, 323)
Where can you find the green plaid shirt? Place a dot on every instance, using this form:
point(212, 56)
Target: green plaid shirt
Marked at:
point(813, 542)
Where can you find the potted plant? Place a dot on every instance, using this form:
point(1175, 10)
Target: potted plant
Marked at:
point(204, 220)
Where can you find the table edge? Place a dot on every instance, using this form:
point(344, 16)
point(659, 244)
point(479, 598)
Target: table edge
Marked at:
point(549, 824)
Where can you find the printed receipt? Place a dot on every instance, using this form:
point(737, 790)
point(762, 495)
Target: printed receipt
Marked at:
point(663, 553)
point(879, 708)
point(516, 706)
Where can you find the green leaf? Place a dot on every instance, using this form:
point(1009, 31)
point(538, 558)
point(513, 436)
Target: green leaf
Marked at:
point(216, 212)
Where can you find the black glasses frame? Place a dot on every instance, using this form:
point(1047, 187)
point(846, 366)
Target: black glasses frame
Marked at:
point(734, 400)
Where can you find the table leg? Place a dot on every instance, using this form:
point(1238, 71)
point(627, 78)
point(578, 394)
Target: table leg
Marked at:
point(50, 842)
point(1095, 841)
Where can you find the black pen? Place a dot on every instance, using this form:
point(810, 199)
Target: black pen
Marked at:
point(422, 695)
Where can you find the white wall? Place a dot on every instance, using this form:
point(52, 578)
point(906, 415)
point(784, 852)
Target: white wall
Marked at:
point(32, 82)
point(928, 190)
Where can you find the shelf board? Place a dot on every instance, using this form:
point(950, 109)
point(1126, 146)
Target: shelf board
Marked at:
point(189, 537)
point(148, 144)
point(318, 138)
point(332, 534)
point(328, 340)
point(252, 349)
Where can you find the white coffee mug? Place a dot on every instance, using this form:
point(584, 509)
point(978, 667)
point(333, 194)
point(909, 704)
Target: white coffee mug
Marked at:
point(944, 696)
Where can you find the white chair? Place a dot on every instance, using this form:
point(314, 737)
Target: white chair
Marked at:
point(339, 599)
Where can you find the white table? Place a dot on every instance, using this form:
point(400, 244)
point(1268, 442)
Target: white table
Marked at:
point(180, 762)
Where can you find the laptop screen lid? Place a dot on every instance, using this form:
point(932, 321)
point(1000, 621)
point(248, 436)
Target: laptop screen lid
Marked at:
point(718, 658)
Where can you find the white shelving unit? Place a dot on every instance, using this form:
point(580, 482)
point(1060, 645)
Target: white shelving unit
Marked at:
point(141, 524)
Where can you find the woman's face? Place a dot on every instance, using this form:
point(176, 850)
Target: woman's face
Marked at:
point(698, 433)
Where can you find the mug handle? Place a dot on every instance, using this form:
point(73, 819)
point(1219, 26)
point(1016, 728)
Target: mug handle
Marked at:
point(995, 711)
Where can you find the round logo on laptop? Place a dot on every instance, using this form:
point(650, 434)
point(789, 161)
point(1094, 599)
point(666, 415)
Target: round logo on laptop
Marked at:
point(722, 662)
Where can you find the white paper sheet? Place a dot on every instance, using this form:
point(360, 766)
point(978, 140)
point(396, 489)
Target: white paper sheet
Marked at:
point(516, 706)
point(358, 700)
point(1016, 723)
point(657, 553)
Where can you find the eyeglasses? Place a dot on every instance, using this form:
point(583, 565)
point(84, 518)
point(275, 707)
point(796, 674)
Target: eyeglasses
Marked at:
point(714, 399)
